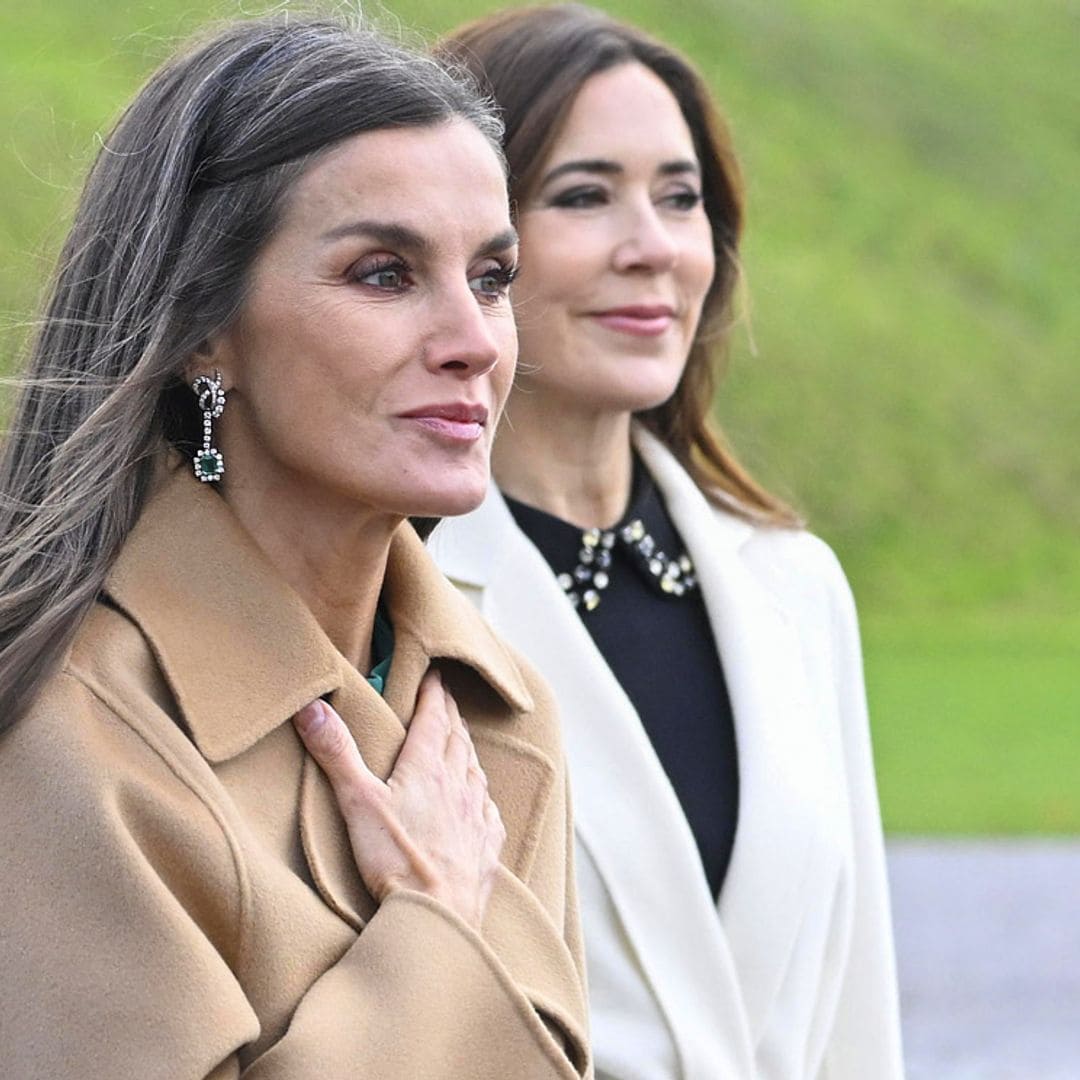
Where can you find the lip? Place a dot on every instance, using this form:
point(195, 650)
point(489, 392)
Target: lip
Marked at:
point(454, 421)
point(640, 320)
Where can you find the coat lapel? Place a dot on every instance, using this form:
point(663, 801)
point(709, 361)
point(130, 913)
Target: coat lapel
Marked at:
point(379, 733)
point(781, 766)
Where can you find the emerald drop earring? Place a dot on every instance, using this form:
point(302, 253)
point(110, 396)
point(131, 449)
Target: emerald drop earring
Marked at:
point(209, 464)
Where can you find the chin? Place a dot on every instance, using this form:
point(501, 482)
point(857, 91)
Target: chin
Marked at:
point(630, 391)
point(449, 502)
point(641, 401)
point(463, 504)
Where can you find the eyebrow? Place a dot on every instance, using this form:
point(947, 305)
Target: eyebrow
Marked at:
point(605, 167)
point(404, 238)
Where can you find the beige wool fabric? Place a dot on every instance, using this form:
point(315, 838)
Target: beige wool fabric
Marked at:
point(179, 899)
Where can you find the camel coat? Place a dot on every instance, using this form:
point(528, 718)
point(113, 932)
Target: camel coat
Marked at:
point(791, 975)
point(178, 897)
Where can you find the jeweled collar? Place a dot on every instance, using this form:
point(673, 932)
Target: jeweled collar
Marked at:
point(585, 561)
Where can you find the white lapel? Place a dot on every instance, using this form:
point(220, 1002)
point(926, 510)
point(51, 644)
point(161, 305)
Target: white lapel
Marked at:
point(626, 814)
point(781, 764)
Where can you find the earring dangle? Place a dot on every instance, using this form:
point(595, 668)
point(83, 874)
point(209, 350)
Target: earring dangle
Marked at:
point(209, 464)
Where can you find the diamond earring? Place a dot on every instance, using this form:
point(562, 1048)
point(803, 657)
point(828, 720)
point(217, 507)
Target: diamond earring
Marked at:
point(209, 464)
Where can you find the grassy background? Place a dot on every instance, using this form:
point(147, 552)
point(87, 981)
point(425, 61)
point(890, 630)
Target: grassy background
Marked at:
point(907, 373)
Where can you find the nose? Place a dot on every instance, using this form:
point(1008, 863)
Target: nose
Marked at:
point(462, 338)
point(647, 243)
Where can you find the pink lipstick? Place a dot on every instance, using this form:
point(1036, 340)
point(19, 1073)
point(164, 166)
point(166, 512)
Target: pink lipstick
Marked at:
point(641, 320)
point(459, 422)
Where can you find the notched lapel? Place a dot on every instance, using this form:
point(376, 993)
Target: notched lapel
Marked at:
point(784, 773)
point(781, 771)
point(328, 851)
point(763, 899)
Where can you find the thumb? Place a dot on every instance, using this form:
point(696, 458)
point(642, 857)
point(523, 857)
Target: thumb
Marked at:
point(330, 743)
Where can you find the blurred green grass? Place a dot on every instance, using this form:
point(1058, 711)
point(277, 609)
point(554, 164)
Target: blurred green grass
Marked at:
point(907, 371)
point(975, 724)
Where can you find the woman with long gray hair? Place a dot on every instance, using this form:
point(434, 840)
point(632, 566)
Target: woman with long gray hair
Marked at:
point(280, 326)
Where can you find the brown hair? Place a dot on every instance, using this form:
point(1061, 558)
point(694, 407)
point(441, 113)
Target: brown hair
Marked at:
point(533, 61)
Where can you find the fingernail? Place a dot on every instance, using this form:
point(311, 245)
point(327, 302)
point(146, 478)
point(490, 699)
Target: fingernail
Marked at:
point(310, 718)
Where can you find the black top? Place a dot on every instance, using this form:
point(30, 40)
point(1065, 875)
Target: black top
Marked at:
point(661, 649)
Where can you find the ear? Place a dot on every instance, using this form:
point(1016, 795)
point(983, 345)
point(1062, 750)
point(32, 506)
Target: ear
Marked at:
point(212, 354)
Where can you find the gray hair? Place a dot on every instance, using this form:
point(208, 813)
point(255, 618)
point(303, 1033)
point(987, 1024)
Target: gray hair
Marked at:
point(183, 195)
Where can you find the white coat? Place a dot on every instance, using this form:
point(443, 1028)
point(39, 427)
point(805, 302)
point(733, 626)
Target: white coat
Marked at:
point(792, 975)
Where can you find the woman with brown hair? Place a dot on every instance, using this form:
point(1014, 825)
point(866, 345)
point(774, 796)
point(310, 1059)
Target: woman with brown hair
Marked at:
point(702, 645)
point(280, 325)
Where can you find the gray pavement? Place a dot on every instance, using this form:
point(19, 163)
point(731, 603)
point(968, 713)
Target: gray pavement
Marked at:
point(988, 950)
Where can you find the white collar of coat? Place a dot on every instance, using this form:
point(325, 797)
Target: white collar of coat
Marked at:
point(715, 978)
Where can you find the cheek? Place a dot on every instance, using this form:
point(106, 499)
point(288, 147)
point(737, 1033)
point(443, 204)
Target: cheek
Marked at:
point(556, 263)
point(699, 265)
point(265, 345)
point(502, 377)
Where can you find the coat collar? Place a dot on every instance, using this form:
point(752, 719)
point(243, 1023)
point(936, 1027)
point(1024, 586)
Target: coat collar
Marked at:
point(239, 648)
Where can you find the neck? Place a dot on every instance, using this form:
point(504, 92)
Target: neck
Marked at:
point(575, 466)
point(333, 556)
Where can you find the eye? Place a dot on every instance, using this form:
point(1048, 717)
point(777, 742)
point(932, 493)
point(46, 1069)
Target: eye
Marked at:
point(581, 197)
point(493, 283)
point(685, 200)
point(382, 273)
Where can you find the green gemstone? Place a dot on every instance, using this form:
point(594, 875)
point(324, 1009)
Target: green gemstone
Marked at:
point(208, 465)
